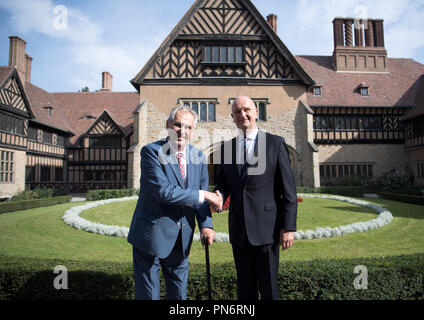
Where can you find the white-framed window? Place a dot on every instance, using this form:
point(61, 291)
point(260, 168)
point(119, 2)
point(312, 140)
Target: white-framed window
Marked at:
point(317, 90)
point(7, 166)
point(364, 91)
point(204, 107)
point(261, 106)
point(340, 171)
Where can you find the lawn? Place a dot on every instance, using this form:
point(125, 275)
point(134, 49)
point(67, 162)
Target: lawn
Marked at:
point(41, 233)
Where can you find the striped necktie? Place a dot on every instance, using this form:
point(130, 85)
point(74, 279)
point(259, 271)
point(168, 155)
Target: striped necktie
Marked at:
point(181, 164)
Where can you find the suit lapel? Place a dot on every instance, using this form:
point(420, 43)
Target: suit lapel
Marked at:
point(165, 153)
point(190, 167)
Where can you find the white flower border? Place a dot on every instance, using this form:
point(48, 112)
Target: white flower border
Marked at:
point(384, 217)
point(72, 218)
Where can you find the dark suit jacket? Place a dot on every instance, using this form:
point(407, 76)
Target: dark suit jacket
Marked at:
point(267, 201)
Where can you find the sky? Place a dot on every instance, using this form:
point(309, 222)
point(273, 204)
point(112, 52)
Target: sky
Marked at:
point(73, 41)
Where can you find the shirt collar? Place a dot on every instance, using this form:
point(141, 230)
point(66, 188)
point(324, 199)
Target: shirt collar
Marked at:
point(250, 136)
point(174, 152)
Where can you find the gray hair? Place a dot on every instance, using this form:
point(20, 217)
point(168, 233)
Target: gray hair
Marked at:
point(174, 111)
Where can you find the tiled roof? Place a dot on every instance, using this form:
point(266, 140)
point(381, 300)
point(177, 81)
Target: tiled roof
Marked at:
point(4, 73)
point(418, 109)
point(397, 87)
point(77, 106)
point(40, 100)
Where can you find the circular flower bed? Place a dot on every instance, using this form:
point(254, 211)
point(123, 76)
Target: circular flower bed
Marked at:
point(72, 218)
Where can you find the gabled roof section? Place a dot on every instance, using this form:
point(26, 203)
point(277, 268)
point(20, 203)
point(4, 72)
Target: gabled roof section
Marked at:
point(206, 18)
point(78, 105)
point(106, 124)
point(12, 93)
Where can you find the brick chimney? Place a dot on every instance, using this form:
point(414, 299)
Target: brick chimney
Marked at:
point(17, 56)
point(359, 45)
point(28, 63)
point(106, 82)
point(272, 21)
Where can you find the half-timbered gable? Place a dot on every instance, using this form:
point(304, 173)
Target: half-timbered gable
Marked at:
point(102, 122)
point(223, 40)
point(14, 110)
point(12, 95)
point(101, 158)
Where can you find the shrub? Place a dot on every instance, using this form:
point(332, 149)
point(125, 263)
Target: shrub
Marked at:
point(394, 180)
point(35, 203)
point(352, 191)
point(110, 193)
point(402, 197)
point(389, 278)
point(25, 195)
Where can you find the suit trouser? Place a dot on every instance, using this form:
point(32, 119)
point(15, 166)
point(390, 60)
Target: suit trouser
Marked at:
point(147, 274)
point(257, 268)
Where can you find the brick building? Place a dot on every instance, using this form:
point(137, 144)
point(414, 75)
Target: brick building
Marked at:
point(356, 113)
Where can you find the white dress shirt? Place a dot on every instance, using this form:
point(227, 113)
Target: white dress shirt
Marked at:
point(250, 146)
point(184, 164)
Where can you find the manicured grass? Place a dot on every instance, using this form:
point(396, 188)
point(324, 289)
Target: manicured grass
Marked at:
point(312, 213)
point(41, 233)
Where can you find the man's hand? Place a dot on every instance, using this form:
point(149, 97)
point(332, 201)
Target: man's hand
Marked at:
point(286, 239)
point(207, 234)
point(215, 200)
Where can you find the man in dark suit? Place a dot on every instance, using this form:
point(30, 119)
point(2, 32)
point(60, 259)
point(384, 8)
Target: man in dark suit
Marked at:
point(173, 184)
point(255, 172)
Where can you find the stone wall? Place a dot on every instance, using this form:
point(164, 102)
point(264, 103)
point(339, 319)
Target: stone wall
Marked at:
point(286, 117)
point(384, 156)
point(416, 156)
point(12, 188)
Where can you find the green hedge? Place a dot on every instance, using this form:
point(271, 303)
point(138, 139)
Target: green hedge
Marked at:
point(110, 193)
point(389, 278)
point(29, 204)
point(402, 197)
point(339, 190)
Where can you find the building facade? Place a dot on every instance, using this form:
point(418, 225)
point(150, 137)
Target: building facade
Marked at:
point(355, 114)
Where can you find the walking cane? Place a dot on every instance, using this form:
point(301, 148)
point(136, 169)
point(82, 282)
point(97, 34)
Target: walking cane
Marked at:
point(208, 270)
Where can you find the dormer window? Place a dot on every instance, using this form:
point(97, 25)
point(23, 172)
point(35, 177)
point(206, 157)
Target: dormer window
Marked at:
point(317, 90)
point(363, 90)
point(88, 117)
point(49, 110)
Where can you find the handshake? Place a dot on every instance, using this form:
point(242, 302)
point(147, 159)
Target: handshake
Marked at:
point(215, 200)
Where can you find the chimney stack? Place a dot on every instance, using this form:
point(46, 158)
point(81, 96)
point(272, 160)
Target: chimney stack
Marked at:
point(28, 63)
point(17, 56)
point(359, 45)
point(106, 82)
point(272, 21)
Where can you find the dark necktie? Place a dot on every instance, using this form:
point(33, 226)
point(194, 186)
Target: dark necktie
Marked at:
point(243, 169)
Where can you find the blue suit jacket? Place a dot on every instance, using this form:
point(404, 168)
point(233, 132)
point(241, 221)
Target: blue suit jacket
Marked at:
point(165, 203)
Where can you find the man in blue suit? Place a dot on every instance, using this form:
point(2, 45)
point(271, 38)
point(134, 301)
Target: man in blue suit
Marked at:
point(173, 184)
